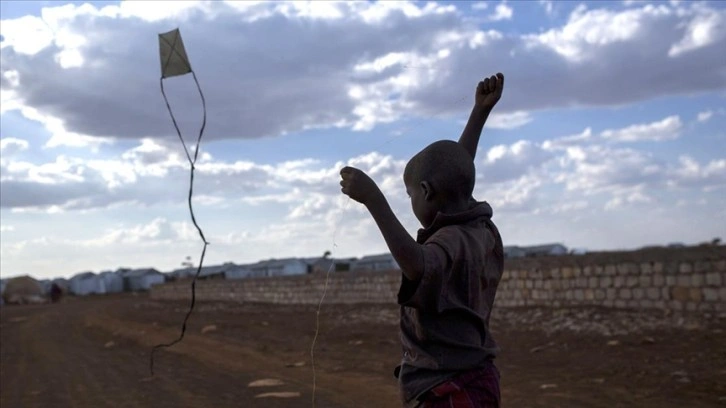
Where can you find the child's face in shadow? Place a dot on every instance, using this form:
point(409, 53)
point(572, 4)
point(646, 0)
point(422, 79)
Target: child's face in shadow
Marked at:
point(422, 202)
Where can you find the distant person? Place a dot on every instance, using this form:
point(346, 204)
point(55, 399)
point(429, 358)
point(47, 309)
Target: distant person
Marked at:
point(55, 293)
point(450, 273)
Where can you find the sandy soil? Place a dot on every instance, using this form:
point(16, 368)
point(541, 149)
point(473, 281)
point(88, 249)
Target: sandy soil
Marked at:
point(94, 352)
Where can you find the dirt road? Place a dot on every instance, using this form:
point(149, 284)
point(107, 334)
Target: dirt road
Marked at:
point(94, 353)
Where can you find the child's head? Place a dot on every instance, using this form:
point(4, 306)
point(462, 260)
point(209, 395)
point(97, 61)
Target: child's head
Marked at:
point(440, 178)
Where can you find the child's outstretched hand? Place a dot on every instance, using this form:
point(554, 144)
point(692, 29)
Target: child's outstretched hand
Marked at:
point(489, 91)
point(358, 186)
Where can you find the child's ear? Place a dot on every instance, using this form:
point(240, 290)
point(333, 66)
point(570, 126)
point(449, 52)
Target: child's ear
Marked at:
point(428, 191)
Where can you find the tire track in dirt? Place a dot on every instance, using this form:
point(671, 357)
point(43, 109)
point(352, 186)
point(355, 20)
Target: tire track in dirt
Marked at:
point(55, 356)
point(333, 390)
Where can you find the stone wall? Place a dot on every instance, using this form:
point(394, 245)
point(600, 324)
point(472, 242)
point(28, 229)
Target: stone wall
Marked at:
point(692, 279)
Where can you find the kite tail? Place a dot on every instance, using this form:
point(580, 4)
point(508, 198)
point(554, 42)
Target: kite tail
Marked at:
point(192, 163)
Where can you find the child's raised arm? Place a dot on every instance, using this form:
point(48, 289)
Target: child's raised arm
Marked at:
point(405, 250)
point(488, 93)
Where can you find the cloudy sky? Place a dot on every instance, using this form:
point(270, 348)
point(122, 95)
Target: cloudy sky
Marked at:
point(611, 132)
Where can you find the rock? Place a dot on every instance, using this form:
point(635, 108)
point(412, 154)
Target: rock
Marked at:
point(648, 340)
point(679, 374)
point(598, 380)
point(547, 386)
point(692, 326)
point(209, 328)
point(297, 364)
point(683, 380)
point(284, 394)
point(265, 323)
point(541, 347)
point(613, 342)
point(355, 342)
point(109, 344)
point(267, 382)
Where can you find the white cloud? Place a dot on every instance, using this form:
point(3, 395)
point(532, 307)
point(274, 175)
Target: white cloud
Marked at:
point(594, 169)
point(133, 111)
point(480, 5)
point(705, 116)
point(406, 59)
point(666, 129)
point(589, 30)
point(548, 6)
point(514, 196)
point(705, 28)
point(300, 200)
point(503, 163)
point(158, 231)
point(568, 141)
point(502, 12)
point(628, 197)
point(570, 206)
point(26, 35)
point(7, 228)
point(147, 174)
point(691, 173)
point(590, 173)
point(12, 145)
point(153, 173)
point(508, 120)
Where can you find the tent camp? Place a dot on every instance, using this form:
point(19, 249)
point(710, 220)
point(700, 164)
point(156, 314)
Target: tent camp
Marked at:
point(23, 290)
point(87, 283)
point(142, 279)
point(112, 282)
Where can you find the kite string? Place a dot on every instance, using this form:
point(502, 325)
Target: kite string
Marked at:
point(320, 304)
point(335, 231)
point(192, 165)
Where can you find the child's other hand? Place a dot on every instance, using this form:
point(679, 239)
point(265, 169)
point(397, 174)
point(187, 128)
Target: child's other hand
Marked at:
point(358, 186)
point(489, 91)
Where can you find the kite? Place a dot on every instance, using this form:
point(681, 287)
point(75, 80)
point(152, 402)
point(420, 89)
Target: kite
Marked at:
point(174, 62)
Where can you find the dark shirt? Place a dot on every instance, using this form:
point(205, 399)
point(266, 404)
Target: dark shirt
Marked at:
point(445, 315)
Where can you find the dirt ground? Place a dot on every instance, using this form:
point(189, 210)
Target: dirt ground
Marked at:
point(94, 352)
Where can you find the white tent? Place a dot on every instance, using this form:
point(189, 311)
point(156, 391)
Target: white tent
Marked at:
point(278, 267)
point(237, 272)
point(142, 279)
point(112, 282)
point(382, 262)
point(87, 283)
point(23, 290)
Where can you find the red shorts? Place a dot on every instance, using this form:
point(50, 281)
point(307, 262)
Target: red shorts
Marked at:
point(473, 389)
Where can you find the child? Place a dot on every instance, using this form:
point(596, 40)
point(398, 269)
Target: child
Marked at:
point(450, 272)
